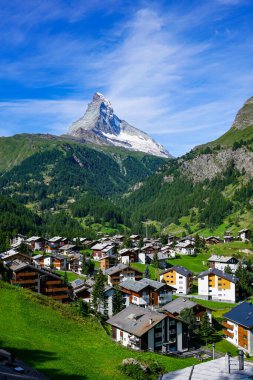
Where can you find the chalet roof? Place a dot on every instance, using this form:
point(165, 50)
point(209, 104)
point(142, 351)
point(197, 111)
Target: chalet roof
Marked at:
point(181, 270)
point(37, 257)
point(108, 248)
point(58, 256)
point(221, 259)
point(115, 269)
point(243, 230)
point(99, 246)
point(135, 286)
point(67, 247)
point(154, 284)
point(34, 238)
point(123, 251)
point(179, 304)
point(185, 245)
point(242, 314)
point(160, 256)
point(136, 320)
point(134, 236)
point(55, 239)
point(219, 273)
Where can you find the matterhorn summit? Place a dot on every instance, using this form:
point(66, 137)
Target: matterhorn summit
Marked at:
point(101, 126)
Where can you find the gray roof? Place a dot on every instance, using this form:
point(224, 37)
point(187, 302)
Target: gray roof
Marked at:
point(115, 269)
point(160, 256)
point(219, 273)
point(76, 283)
point(221, 259)
point(154, 284)
point(179, 304)
point(135, 286)
point(136, 320)
point(18, 265)
point(37, 257)
point(181, 270)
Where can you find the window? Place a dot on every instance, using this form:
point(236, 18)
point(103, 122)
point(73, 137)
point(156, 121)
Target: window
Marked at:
point(180, 277)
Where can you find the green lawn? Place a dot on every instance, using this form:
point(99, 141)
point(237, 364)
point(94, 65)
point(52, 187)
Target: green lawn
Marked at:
point(194, 263)
point(153, 272)
point(44, 334)
point(71, 275)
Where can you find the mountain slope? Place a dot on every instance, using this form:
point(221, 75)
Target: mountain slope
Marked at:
point(211, 183)
point(101, 126)
point(56, 171)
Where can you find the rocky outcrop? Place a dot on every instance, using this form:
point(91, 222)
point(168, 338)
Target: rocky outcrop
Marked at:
point(244, 117)
point(208, 166)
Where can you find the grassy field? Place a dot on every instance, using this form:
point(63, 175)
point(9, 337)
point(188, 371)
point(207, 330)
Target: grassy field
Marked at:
point(154, 273)
point(195, 264)
point(71, 275)
point(43, 333)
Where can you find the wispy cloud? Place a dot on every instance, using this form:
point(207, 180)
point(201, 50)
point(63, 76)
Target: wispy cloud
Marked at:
point(177, 72)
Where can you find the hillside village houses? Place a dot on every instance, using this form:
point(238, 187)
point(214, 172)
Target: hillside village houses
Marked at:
point(150, 318)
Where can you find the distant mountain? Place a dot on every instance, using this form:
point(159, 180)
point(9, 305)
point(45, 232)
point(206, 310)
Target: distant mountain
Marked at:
point(101, 126)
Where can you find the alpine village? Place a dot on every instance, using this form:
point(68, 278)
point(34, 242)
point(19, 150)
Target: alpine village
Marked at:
point(118, 260)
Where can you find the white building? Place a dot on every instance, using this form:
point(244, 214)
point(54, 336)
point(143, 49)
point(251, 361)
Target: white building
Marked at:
point(221, 262)
point(213, 284)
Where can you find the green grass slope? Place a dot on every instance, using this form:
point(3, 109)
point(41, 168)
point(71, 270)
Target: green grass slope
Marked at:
point(45, 335)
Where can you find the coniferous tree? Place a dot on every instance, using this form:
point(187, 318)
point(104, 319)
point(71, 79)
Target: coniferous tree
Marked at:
point(141, 243)
point(118, 302)
point(147, 272)
point(188, 316)
point(98, 296)
point(206, 329)
point(155, 260)
point(227, 269)
point(65, 278)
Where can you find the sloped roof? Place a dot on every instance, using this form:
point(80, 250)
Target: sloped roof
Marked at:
point(136, 320)
point(219, 273)
point(242, 314)
point(221, 259)
point(179, 304)
point(181, 270)
point(135, 286)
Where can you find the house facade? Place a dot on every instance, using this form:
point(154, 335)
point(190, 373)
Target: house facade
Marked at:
point(214, 284)
point(122, 272)
point(221, 262)
point(179, 278)
point(146, 292)
point(143, 329)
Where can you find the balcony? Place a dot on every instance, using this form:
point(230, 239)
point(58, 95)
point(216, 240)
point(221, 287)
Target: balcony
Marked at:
point(227, 326)
point(54, 282)
point(20, 282)
point(52, 290)
point(227, 333)
point(58, 297)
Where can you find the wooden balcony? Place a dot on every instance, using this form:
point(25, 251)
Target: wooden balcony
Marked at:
point(20, 282)
point(227, 325)
point(54, 282)
point(52, 290)
point(59, 296)
point(26, 274)
point(227, 333)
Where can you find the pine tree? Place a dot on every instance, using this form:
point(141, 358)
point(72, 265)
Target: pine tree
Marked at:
point(155, 260)
point(98, 297)
point(188, 316)
point(227, 269)
point(147, 272)
point(118, 302)
point(206, 329)
point(141, 243)
point(65, 278)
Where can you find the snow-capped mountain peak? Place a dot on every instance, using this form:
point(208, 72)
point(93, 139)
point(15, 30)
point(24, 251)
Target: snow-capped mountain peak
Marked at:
point(101, 126)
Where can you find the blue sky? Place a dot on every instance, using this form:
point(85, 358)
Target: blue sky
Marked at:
point(179, 70)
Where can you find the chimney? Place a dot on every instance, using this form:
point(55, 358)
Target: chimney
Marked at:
point(150, 321)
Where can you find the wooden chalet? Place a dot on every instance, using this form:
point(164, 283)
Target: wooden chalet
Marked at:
point(122, 272)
